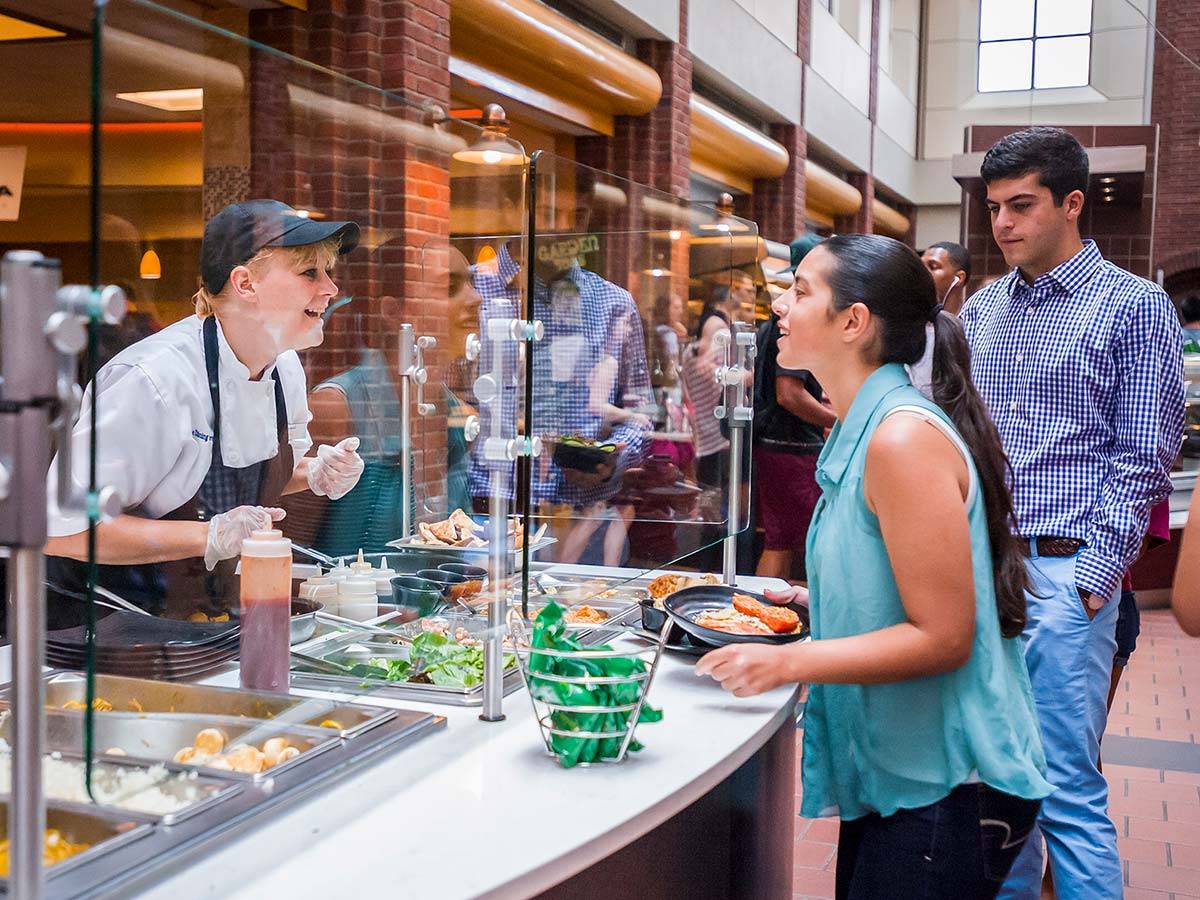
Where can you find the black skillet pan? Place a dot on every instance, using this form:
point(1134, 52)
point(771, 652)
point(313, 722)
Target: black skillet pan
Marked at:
point(684, 605)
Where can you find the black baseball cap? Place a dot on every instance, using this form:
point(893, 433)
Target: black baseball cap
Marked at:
point(240, 230)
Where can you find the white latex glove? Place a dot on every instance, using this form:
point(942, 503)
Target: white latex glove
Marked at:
point(335, 470)
point(227, 530)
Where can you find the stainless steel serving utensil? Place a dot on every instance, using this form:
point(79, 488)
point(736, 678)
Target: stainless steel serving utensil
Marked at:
point(315, 554)
point(362, 626)
point(322, 665)
point(114, 601)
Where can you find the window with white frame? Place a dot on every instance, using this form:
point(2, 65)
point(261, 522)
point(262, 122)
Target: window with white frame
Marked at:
point(1034, 44)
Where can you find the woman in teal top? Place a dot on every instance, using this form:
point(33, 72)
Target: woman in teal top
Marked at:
point(920, 731)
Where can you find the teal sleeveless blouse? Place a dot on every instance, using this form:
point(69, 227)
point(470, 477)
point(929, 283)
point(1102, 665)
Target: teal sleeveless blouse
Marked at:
point(882, 748)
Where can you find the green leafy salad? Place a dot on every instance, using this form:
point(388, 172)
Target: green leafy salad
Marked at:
point(433, 659)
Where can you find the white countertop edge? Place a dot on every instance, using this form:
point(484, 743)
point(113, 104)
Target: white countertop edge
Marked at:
point(336, 828)
point(617, 838)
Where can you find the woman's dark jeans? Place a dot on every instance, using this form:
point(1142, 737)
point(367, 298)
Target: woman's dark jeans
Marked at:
point(959, 848)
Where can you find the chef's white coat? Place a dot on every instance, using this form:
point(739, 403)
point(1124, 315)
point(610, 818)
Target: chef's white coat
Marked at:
point(155, 422)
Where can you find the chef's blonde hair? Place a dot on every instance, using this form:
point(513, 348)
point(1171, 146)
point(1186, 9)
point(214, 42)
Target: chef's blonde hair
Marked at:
point(321, 254)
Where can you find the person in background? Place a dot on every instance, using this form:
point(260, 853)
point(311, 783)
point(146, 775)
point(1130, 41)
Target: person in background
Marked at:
point(950, 265)
point(1189, 311)
point(731, 301)
point(1129, 617)
point(1080, 365)
point(1185, 593)
point(789, 427)
point(699, 368)
point(919, 731)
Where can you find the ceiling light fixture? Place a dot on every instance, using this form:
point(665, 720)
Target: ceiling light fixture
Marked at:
point(726, 222)
point(493, 147)
point(150, 267)
point(175, 100)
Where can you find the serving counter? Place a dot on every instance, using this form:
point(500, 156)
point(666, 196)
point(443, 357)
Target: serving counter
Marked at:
point(479, 810)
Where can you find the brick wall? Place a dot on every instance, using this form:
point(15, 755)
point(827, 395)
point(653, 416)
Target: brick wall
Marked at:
point(1122, 231)
point(1177, 111)
point(653, 150)
point(778, 203)
point(358, 153)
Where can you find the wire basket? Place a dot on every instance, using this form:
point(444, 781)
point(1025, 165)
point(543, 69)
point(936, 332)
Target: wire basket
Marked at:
point(552, 715)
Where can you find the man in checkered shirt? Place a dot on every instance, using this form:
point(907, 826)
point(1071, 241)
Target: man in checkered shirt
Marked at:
point(590, 378)
point(1081, 365)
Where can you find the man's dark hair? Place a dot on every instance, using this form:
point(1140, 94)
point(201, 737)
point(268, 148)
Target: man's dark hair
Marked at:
point(1190, 308)
point(958, 255)
point(1060, 161)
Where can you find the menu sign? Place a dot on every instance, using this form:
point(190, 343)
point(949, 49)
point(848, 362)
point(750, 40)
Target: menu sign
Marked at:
point(12, 176)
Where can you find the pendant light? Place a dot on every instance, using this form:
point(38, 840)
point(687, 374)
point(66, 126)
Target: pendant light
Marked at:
point(493, 147)
point(150, 267)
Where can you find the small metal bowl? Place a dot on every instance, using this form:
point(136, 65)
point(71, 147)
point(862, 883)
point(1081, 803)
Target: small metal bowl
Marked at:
point(417, 597)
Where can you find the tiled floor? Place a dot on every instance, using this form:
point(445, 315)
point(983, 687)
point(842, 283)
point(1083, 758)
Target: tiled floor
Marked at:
point(1153, 770)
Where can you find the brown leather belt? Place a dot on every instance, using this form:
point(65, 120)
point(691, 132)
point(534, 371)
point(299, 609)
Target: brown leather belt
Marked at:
point(1052, 546)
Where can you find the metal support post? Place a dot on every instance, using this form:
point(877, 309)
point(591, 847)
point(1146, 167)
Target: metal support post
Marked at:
point(412, 370)
point(736, 378)
point(41, 334)
point(499, 451)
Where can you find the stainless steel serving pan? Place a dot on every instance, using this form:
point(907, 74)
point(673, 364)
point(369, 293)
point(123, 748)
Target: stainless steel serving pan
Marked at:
point(64, 736)
point(144, 695)
point(335, 648)
point(156, 738)
point(104, 829)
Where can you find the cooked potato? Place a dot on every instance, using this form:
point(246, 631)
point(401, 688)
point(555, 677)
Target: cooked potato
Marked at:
point(210, 741)
point(272, 748)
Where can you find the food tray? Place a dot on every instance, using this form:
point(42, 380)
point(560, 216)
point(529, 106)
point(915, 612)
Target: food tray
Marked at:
point(157, 737)
point(620, 612)
point(136, 694)
point(414, 542)
point(381, 646)
point(64, 736)
point(104, 829)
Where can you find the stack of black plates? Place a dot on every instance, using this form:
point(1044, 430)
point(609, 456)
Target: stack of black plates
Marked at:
point(141, 646)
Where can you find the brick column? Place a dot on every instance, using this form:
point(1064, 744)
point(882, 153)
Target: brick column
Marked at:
point(651, 149)
point(863, 221)
point(778, 203)
point(1174, 108)
point(354, 152)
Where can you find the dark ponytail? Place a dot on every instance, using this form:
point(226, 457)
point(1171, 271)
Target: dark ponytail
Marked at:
point(890, 280)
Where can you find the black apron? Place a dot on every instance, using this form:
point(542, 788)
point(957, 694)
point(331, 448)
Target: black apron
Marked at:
point(179, 588)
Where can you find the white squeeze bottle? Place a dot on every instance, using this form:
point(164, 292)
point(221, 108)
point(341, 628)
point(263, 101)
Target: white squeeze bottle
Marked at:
point(357, 598)
point(266, 595)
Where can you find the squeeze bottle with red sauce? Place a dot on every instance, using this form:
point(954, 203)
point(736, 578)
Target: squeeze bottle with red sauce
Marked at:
point(266, 611)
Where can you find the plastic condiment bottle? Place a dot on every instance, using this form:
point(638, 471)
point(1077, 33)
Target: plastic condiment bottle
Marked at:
point(321, 589)
point(383, 579)
point(361, 567)
point(357, 598)
point(266, 595)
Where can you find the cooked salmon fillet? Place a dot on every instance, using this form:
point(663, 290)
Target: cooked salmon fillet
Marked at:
point(779, 619)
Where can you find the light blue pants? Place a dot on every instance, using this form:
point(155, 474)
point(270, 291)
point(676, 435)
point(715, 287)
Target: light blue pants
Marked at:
point(1070, 667)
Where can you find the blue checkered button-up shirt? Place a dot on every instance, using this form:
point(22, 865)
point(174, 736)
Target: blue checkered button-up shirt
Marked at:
point(592, 355)
point(1083, 373)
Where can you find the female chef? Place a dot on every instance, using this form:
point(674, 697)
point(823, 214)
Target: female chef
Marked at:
point(204, 425)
